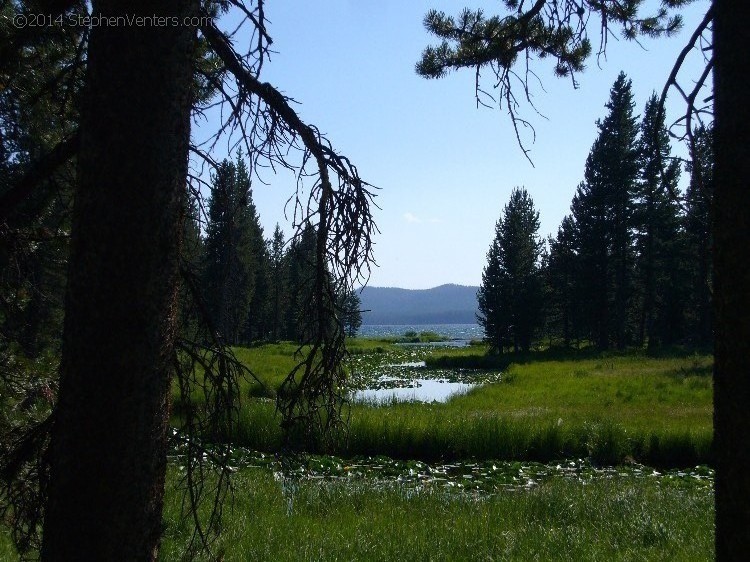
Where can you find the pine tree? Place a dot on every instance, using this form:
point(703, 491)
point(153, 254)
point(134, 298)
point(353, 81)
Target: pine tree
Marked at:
point(278, 284)
point(109, 439)
point(560, 276)
point(350, 312)
point(34, 230)
point(192, 261)
point(603, 210)
point(659, 244)
point(591, 277)
point(698, 229)
point(229, 266)
point(256, 323)
point(493, 316)
point(510, 297)
point(301, 276)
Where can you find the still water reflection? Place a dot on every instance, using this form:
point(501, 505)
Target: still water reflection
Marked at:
point(411, 390)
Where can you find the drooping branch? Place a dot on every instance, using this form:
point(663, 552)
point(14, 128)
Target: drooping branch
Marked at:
point(337, 209)
point(274, 100)
point(340, 215)
point(208, 378)
point(547, 28)
point(350, 232)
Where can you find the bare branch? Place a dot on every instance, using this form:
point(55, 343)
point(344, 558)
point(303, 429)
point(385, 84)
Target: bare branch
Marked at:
point(691, 44)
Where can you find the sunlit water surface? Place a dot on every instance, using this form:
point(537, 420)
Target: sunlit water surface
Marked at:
point(414, 390)
point(457, 333)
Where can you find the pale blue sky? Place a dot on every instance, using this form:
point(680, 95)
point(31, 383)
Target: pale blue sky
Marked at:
point(445, 167)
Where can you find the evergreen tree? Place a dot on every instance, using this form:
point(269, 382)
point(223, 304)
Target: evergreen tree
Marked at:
point(493, 316)
point(256, 323)
point(301, 276)
point(510, 297)
point(111, 417)
point(192, 261)
point(591, 277)
point(278, 284)
point(659, 244)
point(603, 211)
point(192, 242)
point(35, 227)
point(698, 230)
point(307, 311)
point(560, 276)
point(230, 262)
point(350, 312)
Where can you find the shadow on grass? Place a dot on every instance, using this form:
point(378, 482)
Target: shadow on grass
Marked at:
point(479, 360)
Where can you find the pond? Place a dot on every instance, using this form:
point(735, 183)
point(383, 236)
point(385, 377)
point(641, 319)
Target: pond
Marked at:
point(412, 381)
point(411, 390)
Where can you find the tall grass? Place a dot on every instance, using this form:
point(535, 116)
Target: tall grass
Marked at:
point(612, 408)
point(612, 519)
point(615, 518)
point(432, 433)
point(7, 548)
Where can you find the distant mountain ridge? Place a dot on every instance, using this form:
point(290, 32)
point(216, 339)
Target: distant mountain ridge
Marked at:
point(446, 304)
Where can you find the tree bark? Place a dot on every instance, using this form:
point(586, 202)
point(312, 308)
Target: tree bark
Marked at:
point(732, 281)
point(108, 451)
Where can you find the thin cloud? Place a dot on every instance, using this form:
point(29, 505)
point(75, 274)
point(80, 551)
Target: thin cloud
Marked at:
point(409, 217)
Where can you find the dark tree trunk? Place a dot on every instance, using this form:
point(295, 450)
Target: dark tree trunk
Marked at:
point(704, 288)
point(646, 327)
point(732, 288)
point(599, 285)
point(108, 454)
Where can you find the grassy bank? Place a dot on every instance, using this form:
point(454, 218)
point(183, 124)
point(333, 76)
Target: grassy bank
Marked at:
point(606, 519)
point(612, 408)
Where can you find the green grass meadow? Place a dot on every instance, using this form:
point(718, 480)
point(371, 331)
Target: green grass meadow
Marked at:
point(629, 423)
point(612, 408)
point(605, 519)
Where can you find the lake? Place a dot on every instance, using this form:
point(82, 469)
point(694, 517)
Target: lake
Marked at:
point(457, 332)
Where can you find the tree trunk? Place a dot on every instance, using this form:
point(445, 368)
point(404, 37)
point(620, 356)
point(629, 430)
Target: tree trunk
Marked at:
point(732, 288)
point(108, 452)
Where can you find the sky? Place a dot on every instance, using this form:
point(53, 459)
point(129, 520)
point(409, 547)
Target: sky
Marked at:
point(444, 167)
